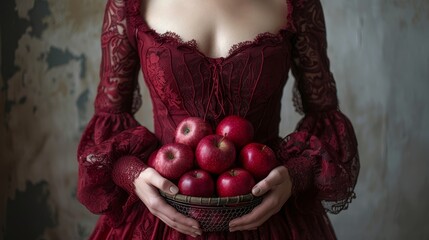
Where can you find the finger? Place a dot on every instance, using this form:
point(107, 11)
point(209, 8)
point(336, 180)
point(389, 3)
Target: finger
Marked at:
point(175, 223)
point(254, 219)
point(249, 222)
point(274, 178)
point(171, 217)
point(157, 205)
point(176, 217)
point(161, 183)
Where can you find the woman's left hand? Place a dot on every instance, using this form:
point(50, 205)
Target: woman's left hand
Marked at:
point(278, 187)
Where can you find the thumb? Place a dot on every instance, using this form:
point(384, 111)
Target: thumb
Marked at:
point(267, 183)
point(261, 188)
point(162, 183)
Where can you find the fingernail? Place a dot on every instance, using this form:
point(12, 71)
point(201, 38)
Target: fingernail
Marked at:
point(195, 227)
point(231, 229)
point(255, 190)
point(174, 189)
point(198, 233)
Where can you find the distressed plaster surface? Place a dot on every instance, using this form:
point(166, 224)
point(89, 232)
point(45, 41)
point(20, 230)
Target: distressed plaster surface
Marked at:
point(50, 76)
point(49, 57)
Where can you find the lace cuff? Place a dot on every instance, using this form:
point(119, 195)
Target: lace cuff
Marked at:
point(111, 154)
point(322, 157)
point(301, 173)
point(126, 170)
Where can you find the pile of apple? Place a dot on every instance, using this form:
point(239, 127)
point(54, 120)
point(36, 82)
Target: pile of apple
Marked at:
point(201, 157)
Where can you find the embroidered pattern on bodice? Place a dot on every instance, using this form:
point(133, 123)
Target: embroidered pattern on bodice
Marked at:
point(184, 81)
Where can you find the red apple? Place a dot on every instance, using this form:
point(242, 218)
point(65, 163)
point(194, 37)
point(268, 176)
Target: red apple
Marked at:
point(237, 129)
point(151, 160)
point(196, 183)
point(173, 160)
point(208, 217)
point(258, 159)
point(234, 182)
point(218, 219)
point(197, 213)
point(191, 130)
point(215, 153)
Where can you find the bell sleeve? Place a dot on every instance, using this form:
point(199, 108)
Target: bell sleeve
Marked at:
point(321, 154)
point(114, 146)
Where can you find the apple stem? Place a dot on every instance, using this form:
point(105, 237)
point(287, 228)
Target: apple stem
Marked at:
point(186, 131)
point(170, 155)
point(220, 141)
point(263, 147)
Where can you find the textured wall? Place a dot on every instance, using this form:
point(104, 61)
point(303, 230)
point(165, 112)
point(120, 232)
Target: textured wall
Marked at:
point(49, 66)
point(380, 58)
point(49, 70)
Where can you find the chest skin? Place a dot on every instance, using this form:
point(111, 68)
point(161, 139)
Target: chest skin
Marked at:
point(215, 25)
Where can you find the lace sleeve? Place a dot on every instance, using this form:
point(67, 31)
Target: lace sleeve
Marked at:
point(114, 146)
point(321, 154)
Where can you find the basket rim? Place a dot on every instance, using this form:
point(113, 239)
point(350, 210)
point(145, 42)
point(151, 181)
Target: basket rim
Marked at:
point(211, 201)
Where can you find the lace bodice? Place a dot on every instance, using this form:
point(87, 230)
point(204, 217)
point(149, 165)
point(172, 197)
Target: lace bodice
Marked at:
point(321, 154)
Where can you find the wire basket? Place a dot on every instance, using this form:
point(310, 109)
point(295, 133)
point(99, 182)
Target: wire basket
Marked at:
point(213, 214)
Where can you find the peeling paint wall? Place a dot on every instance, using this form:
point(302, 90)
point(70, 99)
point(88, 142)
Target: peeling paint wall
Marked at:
point(49, 57)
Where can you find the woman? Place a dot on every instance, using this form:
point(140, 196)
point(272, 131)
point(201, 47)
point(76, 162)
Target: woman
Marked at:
point(206, 77)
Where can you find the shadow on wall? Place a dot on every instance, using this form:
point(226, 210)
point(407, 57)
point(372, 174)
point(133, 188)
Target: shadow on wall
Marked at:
point(30, 213)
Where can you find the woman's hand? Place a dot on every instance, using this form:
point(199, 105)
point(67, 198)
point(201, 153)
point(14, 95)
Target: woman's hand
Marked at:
point(147, 185)
point(278, 187)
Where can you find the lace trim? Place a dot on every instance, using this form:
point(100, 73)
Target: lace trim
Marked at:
point(240, 46)
point(322, 156)
point(138, 23)
point(126, 170)
point(174, 38)
point(338, 206)
point(290, 22)
point(297, 99)
point(118, 87)
point(300, 3)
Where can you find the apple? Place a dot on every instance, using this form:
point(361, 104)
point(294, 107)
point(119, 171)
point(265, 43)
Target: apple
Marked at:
point(196, 183)
point(209, 218)
point(151, 159)
point(218, 219)
point(234, 182)
point(258, 159)
point(237, 129)
point(197, 214)
point(173, 160)
point(215, 153)
point(191, 130)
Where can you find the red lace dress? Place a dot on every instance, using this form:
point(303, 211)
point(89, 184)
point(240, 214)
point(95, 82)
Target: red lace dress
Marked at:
point(321, 154)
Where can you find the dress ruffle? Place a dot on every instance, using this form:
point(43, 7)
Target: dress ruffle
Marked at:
point(322, 157)
point(109, 142)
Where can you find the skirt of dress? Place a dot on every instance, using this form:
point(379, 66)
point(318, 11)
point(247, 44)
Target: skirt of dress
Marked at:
point(288, 223)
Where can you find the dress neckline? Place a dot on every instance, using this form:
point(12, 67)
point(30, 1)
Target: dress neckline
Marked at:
point(176, 39)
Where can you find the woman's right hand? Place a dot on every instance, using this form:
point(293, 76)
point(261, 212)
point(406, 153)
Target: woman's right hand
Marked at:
point(147, 185)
